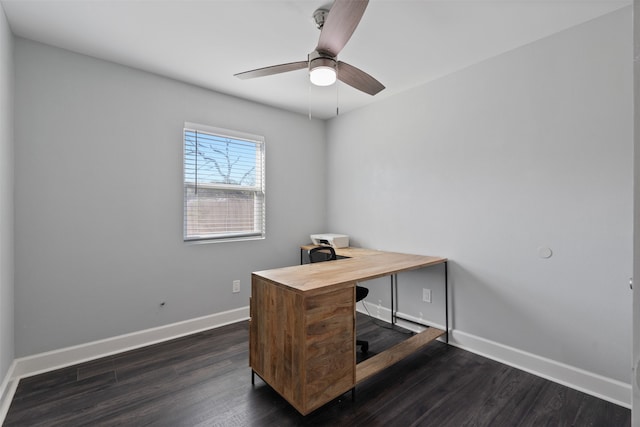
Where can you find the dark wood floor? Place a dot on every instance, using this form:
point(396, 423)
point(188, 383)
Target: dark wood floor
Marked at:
point(204, 380)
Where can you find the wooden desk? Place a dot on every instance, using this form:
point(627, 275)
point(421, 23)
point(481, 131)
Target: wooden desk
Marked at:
point(302, 327)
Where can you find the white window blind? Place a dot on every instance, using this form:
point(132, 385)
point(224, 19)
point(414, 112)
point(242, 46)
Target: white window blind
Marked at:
point(224, 197)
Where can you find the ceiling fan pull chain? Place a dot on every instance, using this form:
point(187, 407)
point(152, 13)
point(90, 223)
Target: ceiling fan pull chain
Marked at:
point(337, 100)
point(309, 100)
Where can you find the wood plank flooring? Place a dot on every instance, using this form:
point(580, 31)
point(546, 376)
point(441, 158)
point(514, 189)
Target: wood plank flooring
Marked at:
point(204, 380)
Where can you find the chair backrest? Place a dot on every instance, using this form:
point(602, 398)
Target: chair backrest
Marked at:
point(322, 253)
point(327, 253)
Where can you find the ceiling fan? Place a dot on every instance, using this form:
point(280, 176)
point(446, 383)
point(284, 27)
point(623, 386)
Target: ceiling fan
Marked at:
point(336, 27)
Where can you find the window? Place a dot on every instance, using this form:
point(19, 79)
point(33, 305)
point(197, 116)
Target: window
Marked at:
point(223, 184)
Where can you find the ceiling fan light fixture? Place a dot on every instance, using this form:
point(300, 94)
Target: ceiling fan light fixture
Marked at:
point(322, 70)
point(323, 75)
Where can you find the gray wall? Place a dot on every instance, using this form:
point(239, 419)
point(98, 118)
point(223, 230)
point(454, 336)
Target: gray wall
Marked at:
point(527, 150)
point(636, 246)
point(99, 199)
point(6, 196)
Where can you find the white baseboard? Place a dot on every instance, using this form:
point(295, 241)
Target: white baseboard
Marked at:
point(51, 360)
point(383, 313)
point(7, 390)
point(43, 362)
point(596, 385)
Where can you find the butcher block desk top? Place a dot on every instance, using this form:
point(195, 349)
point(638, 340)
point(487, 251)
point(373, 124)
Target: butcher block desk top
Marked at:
point(362, 264)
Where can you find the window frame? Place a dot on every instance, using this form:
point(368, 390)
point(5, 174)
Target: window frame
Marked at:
point(259, 210)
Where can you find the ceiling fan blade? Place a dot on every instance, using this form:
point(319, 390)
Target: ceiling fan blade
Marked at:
point(274, 69)
point(358, 79)
point(342, 20)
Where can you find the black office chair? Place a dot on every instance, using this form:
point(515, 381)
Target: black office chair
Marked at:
point(327, 253)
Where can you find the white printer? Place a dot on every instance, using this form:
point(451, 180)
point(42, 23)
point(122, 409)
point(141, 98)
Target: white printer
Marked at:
point(333, 240)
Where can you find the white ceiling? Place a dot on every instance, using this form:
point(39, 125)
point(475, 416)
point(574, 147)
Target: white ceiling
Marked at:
point(402, 43)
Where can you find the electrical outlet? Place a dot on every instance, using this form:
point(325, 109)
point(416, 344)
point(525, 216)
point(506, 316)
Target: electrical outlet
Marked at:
point(426, 295)
point(236, 286)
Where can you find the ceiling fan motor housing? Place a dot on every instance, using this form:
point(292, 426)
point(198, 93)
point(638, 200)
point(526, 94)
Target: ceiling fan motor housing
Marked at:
point(318, 59)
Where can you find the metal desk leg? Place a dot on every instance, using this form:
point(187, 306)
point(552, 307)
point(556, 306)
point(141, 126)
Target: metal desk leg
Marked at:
point(394, 298)
point(392, 322)
point(446, 301)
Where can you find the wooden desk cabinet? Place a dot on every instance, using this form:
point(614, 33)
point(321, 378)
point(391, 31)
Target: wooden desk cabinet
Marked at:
point(303, 345)
point(302, 328)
